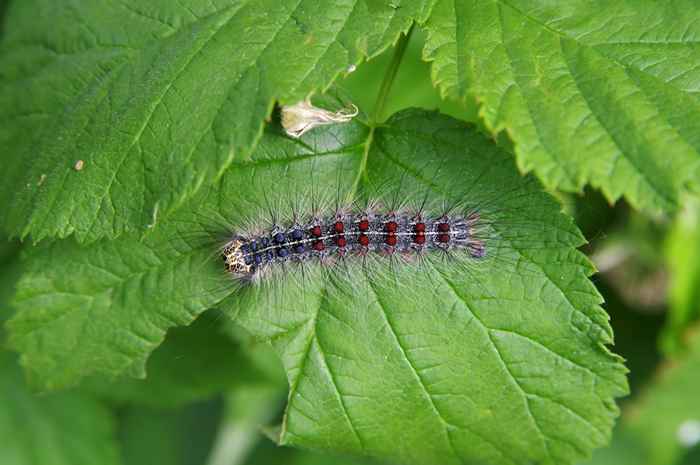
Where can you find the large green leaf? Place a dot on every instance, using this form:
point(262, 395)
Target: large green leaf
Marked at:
point(103, 309)
point(595, 92)
point(157, 98)
point(60, 429)
point(441, 361)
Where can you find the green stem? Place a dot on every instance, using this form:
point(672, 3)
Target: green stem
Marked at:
point(389, 77)
point(384, 90)
point(248, 407)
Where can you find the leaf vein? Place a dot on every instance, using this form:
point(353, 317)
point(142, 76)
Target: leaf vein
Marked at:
point(415, 373)
point(543, 438)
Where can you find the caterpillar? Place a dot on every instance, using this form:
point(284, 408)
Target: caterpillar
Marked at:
point(352, 233)
point(270, 237)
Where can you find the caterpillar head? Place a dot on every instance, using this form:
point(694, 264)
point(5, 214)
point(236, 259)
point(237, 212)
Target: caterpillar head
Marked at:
point(235, 259)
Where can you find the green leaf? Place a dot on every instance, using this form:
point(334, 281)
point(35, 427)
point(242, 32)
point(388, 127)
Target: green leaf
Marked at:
point(9, 275)
point(66, 428)
point(501, 361)
point(194, 363)
point(182, 436)
point(157, 98)
point(495, 364)
point(259, 354)
point(60, 429)
point(597, 92)
point(102, 309)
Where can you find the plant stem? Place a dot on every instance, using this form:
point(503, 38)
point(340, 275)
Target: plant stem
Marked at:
point(389, 77)
point(376, 117)
point(248, 407)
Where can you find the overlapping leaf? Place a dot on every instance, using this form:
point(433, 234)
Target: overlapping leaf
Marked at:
point(156, 98)
point(599, 92)
point(66, 428)
point(53, 430)
point(102, 309)
point(501, 362)
point(195, 363)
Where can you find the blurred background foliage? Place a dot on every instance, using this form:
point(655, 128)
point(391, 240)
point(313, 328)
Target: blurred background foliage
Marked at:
point(649, 276)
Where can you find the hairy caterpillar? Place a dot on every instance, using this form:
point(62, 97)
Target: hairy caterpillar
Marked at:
point(276, 242)
point(345, 233)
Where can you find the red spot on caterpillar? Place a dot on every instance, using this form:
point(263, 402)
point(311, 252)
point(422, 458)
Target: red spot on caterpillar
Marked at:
point(315, 231)
point(318, 246)
point(340, 241)
point(419, 227)
point(391, 240)
point(443, 227)
point(391, 227)
point(443, 238)
point(339, 227)
point(363, 240)
point(419, 239)
point(363, 225)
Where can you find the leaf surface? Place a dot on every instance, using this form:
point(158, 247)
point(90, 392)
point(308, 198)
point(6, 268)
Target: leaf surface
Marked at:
point(102, 309)
point(194, 363)
point(606, 93)
point(65, 428)
point(182, 436)
point(157, 99)
point(501, 361)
